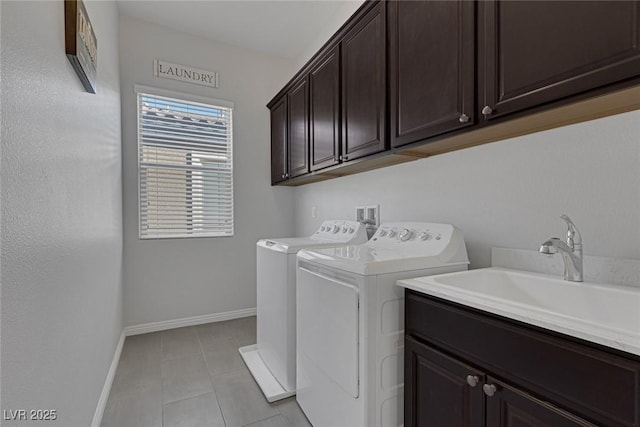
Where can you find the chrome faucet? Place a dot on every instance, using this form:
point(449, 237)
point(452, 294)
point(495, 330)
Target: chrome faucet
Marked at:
point(571, 251)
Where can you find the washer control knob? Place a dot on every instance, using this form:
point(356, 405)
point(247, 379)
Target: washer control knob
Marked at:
point(336, 228)
point(351, 230)
point(424, 235)
point(383, 233)
point(325, 228)
point(438, 237)
point(344, 229)
point(406, 234)
point(392, 233)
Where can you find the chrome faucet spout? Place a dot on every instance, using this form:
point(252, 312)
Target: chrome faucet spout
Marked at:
point(571, 251)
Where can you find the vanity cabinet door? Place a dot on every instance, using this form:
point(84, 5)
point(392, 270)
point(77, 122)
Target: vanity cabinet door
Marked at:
point(510, 407)
point(437, 390)
point(536, 52)
point(279, 157)
point(364, 86)
point(431, 68)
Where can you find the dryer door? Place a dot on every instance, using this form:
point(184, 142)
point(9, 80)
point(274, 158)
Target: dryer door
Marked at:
point(328, 327)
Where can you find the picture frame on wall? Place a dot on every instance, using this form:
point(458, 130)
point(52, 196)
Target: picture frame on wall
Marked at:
point(81, 45)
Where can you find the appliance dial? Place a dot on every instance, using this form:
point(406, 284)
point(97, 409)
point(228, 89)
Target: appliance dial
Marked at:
point(323, 228)
point(406, 234)
point(424, 235)
point(336, 228)
point(351, 230)
point(438, 237)
point(344, 229)
point(383, 233)
point(392, 233)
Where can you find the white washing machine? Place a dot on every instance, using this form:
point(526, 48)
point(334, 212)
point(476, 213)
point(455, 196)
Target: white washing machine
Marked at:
point(350, 321)
point(272, 360)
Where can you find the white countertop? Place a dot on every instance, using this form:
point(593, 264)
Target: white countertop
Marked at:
point(599, 313)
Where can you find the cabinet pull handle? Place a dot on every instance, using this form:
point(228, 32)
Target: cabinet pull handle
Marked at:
point(464, 118)
point(472, 380)
point(487, 110)
point(283, 175)
point(489, 389)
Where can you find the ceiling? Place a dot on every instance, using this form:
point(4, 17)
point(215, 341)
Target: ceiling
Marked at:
point(280, 28)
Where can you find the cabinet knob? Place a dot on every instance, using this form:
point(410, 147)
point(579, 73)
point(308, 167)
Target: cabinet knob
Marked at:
point(489, 389)
point(464, 118)
point(472, 380)
point(487, 110)
point(284, 175)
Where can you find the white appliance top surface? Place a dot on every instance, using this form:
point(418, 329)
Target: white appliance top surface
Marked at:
point(330, 234)
point(399, 246)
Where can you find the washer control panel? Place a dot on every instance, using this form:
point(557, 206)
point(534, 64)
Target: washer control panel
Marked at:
point(339, 230)
point(412, 233)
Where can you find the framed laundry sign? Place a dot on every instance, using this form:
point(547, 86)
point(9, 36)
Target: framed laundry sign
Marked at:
point(167, 70)
point(80, 43)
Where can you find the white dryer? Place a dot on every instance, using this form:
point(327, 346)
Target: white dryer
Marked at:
point(272, 360)
point(350, 321)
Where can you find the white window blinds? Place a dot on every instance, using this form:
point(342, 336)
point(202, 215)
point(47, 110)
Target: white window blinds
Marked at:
point(185, 168)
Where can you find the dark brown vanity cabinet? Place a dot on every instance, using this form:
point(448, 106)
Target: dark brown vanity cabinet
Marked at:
point(324, 85)
point(536, 52)
point(364, 86)
point(279, 151)
point(431, 68)
point(436, 391)
point(465, 367)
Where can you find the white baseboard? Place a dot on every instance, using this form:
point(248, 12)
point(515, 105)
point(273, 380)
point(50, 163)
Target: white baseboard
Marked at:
point(106, 389)
point(187, 321)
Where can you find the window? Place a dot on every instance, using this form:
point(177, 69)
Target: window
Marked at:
point(185, 167)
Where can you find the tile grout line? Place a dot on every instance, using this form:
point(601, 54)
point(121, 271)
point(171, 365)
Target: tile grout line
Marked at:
point(213, 385)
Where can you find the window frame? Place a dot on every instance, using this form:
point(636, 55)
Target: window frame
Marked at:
point(186, 97)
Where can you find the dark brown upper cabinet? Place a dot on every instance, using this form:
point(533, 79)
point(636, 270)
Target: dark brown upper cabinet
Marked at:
point(431, 68)
point(324, 87)
point(364, 86)
point(536, 52)
point(279, 156)
point(298, 118)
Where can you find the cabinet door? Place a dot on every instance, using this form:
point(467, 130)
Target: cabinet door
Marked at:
point(279, 141)
point(324, 87)
point(436, 390)
point(299, 128)
point(431, 67)
point(510, 407)
point(541, 51)
point(363, 86)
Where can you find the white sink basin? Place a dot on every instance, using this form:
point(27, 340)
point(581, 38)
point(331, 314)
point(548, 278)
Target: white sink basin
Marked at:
point(605, 314)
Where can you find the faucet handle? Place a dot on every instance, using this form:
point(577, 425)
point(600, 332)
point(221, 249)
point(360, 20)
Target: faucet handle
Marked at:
point(573, 235)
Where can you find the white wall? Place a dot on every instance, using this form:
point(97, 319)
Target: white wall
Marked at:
point(61, 215)
point(176, 278)
point(345, 9)
point(509, 193)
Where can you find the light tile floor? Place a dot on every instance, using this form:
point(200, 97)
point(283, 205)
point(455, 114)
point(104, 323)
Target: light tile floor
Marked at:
point(193, 377)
